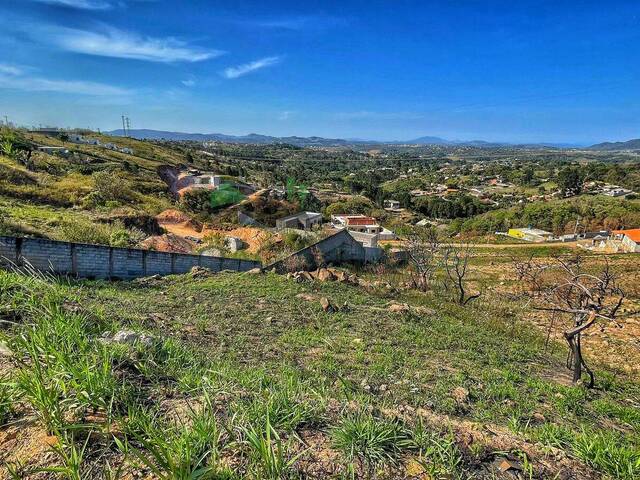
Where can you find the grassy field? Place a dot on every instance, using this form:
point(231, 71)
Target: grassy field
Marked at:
point(247, 377)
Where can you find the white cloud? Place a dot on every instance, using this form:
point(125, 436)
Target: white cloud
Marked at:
point(112, 42)
point(286, 115)
point(295, 22)
point(13, 78)
point(89, 4)
point(244, 69)
point(366, 114)
point(81, 4)
point(188, 82)
point(10, 69)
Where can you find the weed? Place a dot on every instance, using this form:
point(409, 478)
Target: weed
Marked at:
point(605, 452)
point(7, 397)
point(376, 441)
point(439, 454)
point(269, 453)
point(46, 397)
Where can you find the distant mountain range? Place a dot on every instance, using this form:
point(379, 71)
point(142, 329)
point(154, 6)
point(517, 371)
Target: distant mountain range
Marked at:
point(628, 145)
point(320, 141)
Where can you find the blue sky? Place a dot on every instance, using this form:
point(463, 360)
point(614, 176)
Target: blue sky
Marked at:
point(520, 71)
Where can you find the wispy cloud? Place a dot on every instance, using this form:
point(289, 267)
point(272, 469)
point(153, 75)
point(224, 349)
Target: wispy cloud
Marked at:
point(89, 4)
point(295, 22)
point(10, 69)
point(12, 77)
point(286, 115)
point(188, 82)
point(80, 4)
point(112, 42)
point(367, 114)
point(246, 68)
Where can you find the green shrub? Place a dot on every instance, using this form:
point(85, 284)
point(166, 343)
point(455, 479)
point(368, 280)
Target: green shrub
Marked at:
point(376, 441)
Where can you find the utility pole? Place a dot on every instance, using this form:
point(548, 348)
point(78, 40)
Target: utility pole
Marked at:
point(128, 127)
point(124, 127)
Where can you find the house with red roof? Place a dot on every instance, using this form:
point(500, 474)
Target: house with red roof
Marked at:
point(630, 239)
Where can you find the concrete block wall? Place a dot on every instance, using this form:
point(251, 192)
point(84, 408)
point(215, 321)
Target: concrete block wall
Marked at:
point(341, 247)
point(99, 261)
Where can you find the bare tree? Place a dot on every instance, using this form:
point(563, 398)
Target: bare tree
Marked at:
point(455, 260)
point(423, 247)
point(566, 287)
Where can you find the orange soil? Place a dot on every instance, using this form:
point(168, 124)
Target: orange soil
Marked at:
point(180, 225)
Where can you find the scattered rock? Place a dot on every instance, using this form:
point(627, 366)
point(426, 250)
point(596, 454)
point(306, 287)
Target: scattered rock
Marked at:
point(200, 272)
point(129, 337)
point(399, 308)
point(146, 280)
point(506, 465)
point(4, 350)
point(424, 311)
point(537, 417)
point(327, 306)
point(306, 296)
point(254, 271)
point(323, 275)
point(460, 395)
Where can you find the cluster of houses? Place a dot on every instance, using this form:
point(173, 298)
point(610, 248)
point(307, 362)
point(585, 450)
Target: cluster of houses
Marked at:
point(606, 189)
point(616, 241)
point(76, 138)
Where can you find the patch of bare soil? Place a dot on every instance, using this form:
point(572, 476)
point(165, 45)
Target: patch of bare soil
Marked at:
point(168, 243)
point(613, 344)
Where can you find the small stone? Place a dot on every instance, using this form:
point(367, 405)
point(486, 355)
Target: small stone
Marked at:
point(129, 337)
point(460, 395)
point(399, 308)
point(327, 306)
point(258, 271)
point(538, 417)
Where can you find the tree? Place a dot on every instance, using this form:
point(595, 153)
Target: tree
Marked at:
point(423, 246)
point(569, 181)
point(456, 266)
point(567, 288)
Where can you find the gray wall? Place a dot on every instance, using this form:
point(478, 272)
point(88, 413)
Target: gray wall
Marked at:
point(338, 248)
point(99, 261)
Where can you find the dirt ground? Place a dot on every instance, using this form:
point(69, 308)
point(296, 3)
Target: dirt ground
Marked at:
point(615, 344)
point(181, 225)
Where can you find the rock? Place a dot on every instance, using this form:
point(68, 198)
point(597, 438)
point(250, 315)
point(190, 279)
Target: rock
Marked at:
point(342, 277)
point(234, 244)
point(460, 395)
point(327, 306)
point(325, 275)
point(306, 276)
point(399, 308)
point(4, 350)
point(425, 311)
point(257, 271)
point(199, 272)
point(306, 296)
point(129, 337)
point(537, 417)
point(506, 465)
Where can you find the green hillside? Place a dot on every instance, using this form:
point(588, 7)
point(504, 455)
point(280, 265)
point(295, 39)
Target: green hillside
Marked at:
point(91, 194)
point(245, 376)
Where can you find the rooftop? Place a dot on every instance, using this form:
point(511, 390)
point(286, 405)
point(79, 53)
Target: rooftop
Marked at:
point(633, 234)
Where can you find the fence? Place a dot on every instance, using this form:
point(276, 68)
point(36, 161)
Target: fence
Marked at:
point(99, 261)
